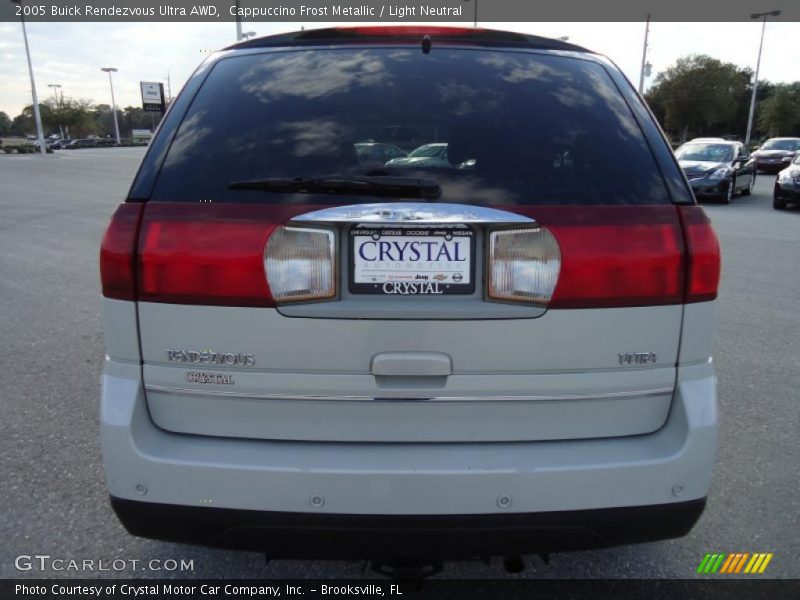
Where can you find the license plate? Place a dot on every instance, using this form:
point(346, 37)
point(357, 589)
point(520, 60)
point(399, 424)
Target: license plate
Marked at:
point(412, 261)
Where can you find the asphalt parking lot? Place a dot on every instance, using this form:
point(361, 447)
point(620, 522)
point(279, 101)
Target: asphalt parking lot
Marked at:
point(53, 211)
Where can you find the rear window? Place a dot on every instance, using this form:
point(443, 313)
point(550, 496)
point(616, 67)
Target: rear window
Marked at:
point(491, 127)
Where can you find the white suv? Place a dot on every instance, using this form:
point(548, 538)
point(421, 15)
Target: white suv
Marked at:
point(315, 355)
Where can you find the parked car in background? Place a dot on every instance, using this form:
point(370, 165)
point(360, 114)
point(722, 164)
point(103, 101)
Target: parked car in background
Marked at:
point(58, 144)
point(776, 153)
point(81, 143)
point(707, 139)
point(717, 169)
point(429, 155)
point(787, 186)
point(375, 152)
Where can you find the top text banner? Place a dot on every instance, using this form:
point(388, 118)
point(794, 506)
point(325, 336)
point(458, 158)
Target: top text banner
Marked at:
point(382, 11)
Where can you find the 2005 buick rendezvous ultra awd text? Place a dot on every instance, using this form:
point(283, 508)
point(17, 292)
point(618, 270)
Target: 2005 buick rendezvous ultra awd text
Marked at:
point(501, 351)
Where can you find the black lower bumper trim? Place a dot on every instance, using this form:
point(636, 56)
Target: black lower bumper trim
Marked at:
point(340, 536)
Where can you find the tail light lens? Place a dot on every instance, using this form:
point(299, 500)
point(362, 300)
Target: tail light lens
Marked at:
point(204, 254)
point(301, 264)
point(704, 264)
point(523, 265)
point(117, 253)
point(616, 256)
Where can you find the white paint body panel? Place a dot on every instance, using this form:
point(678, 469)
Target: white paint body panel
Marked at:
point(420, 478)
point(557, 376)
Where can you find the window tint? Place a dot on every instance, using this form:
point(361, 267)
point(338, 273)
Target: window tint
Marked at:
point(705, 152)
point(491, 126)
point(791, 145)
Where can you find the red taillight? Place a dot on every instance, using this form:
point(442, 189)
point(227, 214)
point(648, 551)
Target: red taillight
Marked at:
point(205, 254)
point(117, 274)
point(702, 246)
point(616, 256)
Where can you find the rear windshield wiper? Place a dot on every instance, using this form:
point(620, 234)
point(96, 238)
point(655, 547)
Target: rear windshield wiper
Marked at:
point(395, 187)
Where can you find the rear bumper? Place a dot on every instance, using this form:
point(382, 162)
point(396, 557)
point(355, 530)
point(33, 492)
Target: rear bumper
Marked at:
point(771, 167)
point(303, 535)
point(787, 193)
point(590, 492)
point(704, 188)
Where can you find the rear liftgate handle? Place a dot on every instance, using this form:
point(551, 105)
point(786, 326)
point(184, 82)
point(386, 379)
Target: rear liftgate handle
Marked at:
point(411, 369)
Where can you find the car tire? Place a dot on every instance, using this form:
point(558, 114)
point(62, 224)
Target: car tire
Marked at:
point(727, 197)
point(749, 189)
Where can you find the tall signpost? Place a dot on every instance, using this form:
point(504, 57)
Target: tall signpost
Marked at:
point(153, 99)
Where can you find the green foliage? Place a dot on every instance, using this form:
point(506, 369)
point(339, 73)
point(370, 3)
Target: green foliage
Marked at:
point(79, 118)
point(779, 114)
point(700, 95)
point(5, 124)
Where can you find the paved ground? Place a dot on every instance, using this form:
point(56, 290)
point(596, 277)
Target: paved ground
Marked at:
point(53, 211)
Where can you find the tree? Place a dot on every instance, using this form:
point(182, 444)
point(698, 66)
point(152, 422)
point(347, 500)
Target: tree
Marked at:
point(5, 124)
point(700, 95)
point(779, 114)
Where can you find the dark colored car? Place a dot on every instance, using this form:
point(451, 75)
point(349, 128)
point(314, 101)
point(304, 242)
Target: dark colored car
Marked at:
point(315, 358)
point(787, 186)
point(81, 143)
point(717, 169)
point(776, 153)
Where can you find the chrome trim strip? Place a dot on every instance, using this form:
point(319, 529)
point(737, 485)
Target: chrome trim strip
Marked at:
point(411, 212)
point(438, 399)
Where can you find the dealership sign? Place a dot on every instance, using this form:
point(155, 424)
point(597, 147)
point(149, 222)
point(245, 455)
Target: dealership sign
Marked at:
point(153, 96)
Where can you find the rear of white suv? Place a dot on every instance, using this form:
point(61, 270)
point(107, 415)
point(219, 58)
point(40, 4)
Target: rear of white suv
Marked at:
point(317, 356)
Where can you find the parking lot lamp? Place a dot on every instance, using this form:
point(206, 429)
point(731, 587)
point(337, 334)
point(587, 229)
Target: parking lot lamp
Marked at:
point(56, 87)
point(36, 114)
point(110, 70)
point(643, 70)
point(763, 16)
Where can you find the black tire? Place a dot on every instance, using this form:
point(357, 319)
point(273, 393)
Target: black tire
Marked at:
point(727, 197)
point(778, 204)
point(749, 189)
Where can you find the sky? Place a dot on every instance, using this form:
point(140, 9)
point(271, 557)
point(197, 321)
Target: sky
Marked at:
point(71, 54)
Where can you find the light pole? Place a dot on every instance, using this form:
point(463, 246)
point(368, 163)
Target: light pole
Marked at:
point(169, 87)
point(475, 13)
point(110, 70)
point(644, 55)
point(36, 114)
point(56, 87)
point(238, 23)
point(764, 15)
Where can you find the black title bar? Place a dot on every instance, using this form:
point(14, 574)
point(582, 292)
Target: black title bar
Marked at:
point(397, 11)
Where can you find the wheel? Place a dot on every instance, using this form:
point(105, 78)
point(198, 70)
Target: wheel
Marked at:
point(749, 189)
point(727, 197)
point(778, 204)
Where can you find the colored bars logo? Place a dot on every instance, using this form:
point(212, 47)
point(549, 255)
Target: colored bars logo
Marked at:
point(738, 562)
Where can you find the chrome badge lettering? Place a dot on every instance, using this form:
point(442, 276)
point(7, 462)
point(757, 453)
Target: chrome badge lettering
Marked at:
point(218, 378)
point(637, 358)
point(209, 357)
point(406, 288)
